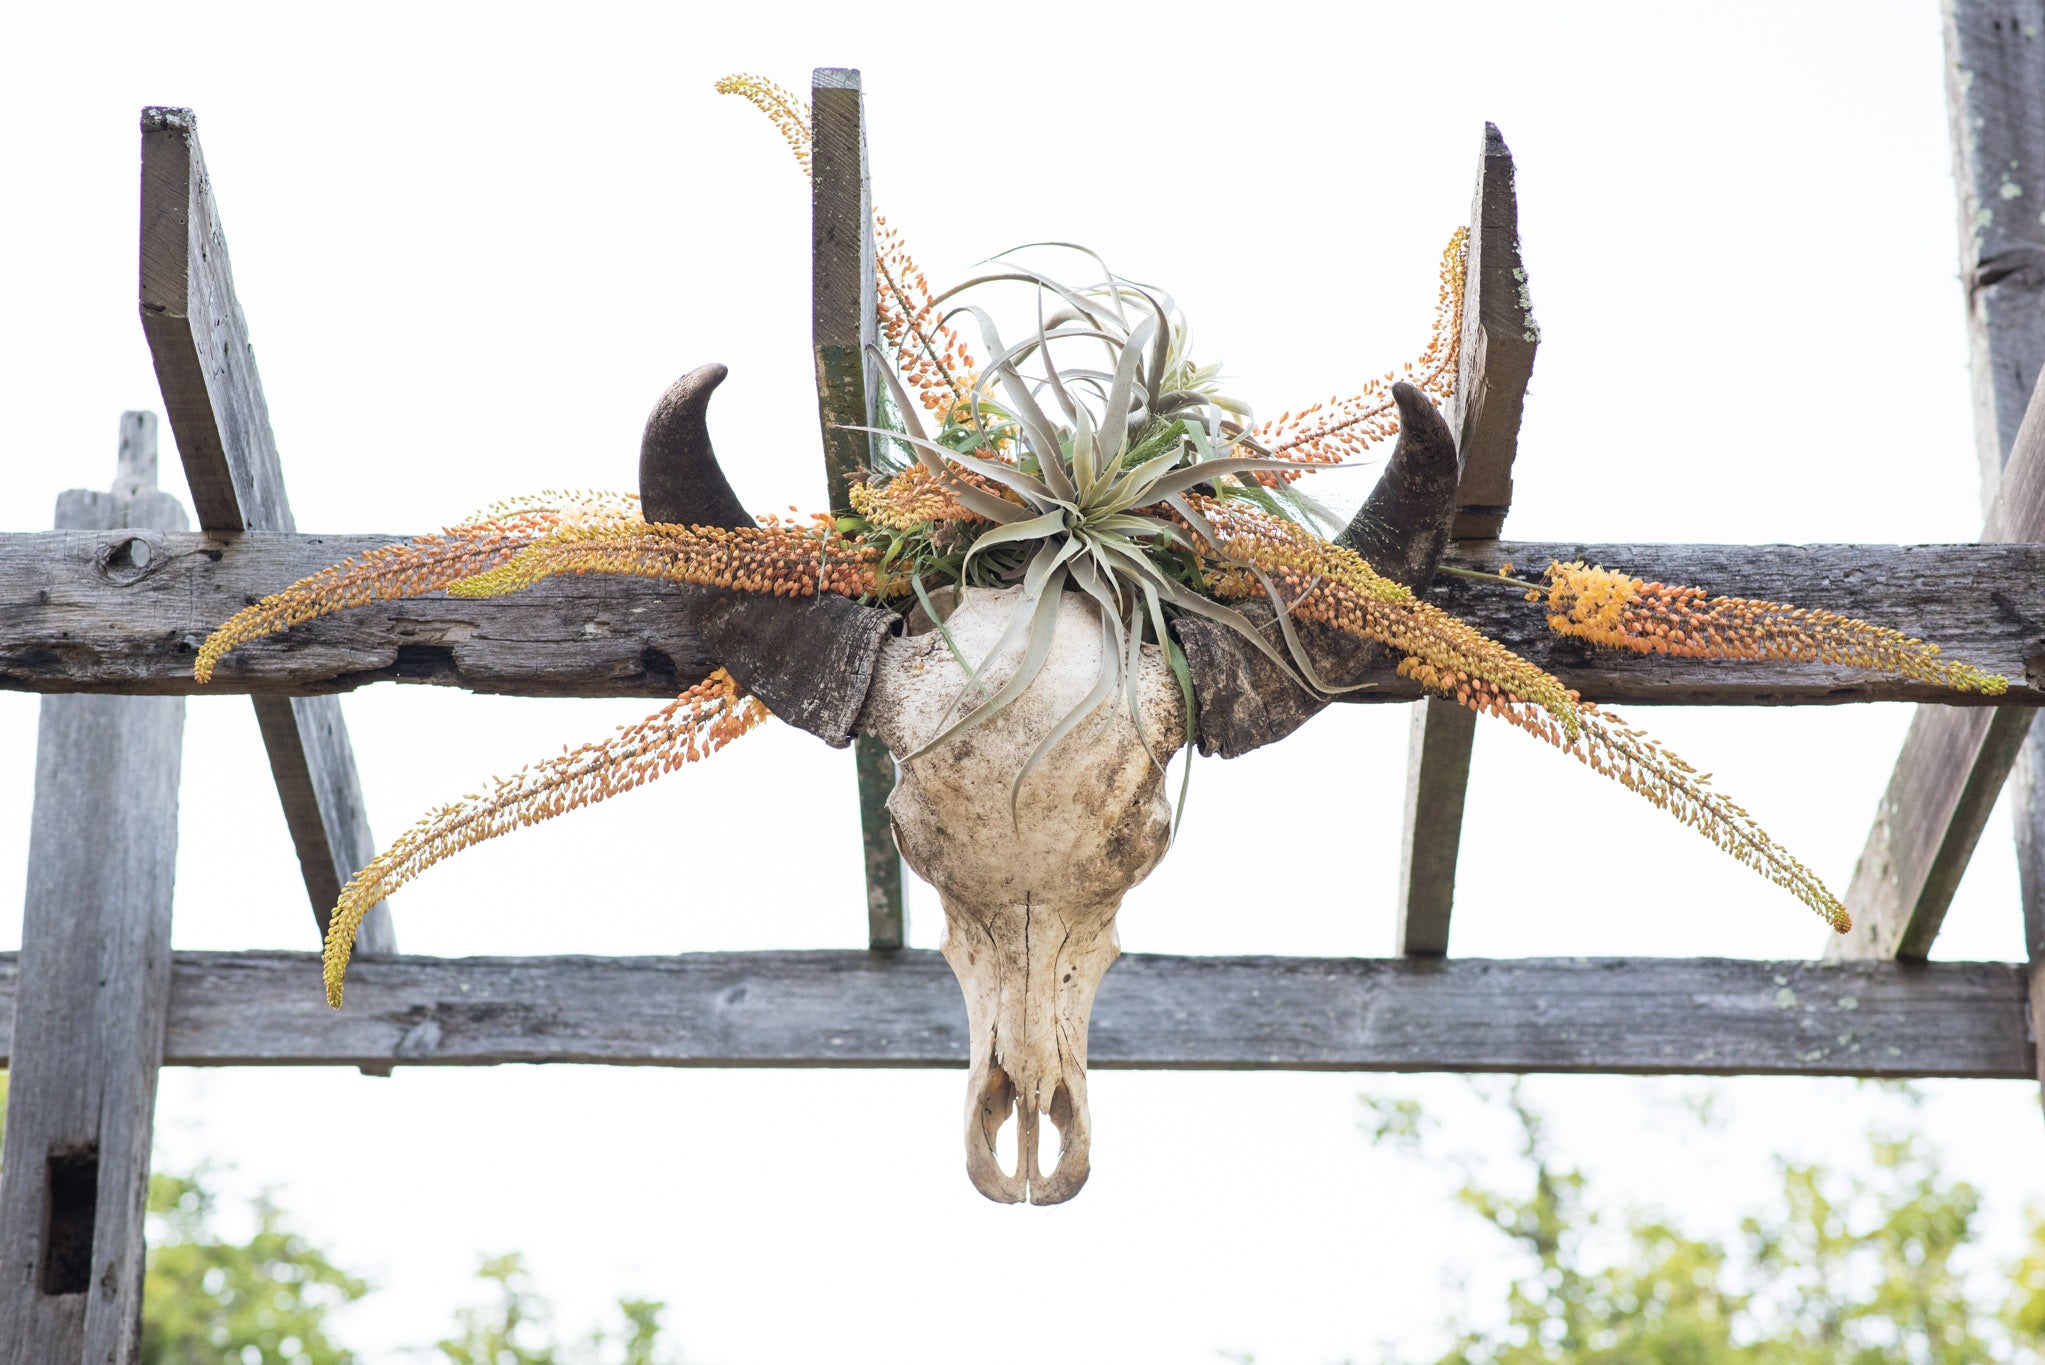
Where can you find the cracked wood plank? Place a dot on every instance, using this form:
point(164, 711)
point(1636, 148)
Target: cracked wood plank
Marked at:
point(89, 1007)
point(78, 615)
point(1638, 1016)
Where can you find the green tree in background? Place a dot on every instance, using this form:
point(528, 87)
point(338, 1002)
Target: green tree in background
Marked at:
point(510, 1329)
point(1846, 1268)
point(210, 1299)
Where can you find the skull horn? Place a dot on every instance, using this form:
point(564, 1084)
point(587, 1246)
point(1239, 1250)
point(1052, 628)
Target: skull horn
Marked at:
point(679, 479)
point(809, 659)
point(1244, 700)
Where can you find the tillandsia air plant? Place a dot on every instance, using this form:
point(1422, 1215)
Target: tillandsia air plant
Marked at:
point(1102, 557)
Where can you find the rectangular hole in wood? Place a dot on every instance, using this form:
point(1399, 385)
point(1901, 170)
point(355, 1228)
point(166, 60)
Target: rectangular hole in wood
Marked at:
point(73, 1189)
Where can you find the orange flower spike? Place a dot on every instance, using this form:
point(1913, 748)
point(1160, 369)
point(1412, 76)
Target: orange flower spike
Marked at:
point(1613, 610)
point(693, 726)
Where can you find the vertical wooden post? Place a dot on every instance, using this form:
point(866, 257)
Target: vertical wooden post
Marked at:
point(1497, 360)
point(842, 307)
point(94, 983)
point(213, 396)
point(1995, 108)
point(1954, 760)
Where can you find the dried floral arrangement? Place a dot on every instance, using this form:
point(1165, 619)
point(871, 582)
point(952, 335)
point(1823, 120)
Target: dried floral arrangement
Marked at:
point(1086, 476)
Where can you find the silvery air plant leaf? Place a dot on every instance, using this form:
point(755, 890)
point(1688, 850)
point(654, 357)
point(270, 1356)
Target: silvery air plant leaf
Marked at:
point(1103, 452)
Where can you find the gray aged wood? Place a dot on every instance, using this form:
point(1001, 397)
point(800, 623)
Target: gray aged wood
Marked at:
point(1643, 1016)
point(1995, 101)
point(198, 339)
point(1437, 780)
point(1495, 363)
point(214, 397)
point(77, 616)
point(1952, 766)
point(88, 1009)
point(1995, 105)
point(843, 305)
point(1497, 356)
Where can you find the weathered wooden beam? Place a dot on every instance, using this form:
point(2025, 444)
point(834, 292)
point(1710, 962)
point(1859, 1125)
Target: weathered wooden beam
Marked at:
point(1437, 781)
point(842, 323)
point(1642, 1016)
point(214, 398)
point(1496, 360)
point(1953, 766)
point(1995, 110)
point(92, 993)
point(77, 614)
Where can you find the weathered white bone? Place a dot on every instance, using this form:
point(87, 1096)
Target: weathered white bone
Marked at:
point(1029, 898)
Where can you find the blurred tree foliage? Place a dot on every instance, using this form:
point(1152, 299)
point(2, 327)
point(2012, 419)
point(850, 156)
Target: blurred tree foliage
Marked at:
point(209, 1299)
point(1845, 1268)
point(215, 1299)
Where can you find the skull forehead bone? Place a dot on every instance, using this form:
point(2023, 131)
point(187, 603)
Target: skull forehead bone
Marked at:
point(1029, 894)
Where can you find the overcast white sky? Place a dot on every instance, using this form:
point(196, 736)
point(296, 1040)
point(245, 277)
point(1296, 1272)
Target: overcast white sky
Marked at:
point(474, 244)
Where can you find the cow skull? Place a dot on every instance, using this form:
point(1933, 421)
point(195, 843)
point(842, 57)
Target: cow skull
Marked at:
point(1030, 891)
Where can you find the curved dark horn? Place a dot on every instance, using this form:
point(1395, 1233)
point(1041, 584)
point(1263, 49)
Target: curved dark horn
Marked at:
point(1403, 526)
point(679, 481)
point(1244, 701)
point(808, 658)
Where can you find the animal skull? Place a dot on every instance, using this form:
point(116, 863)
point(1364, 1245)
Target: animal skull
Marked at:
point(1029, 897)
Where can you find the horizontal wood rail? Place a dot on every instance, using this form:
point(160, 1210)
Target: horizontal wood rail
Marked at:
point(78, 615)
point(1642, 1016)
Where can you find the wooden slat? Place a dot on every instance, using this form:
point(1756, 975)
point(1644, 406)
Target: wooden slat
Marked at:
point(1500, 337)
point(842, 322)
point(214, 398)
point(89, 1007)
point(1495, 363)
point(76, 615)
point(1437, 780)
point(1642, 1016)
point(1953, 765)
point(1995, 107)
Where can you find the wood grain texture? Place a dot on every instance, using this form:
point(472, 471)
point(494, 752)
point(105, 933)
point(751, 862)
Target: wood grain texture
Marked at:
point(843, 308)
point(206, 368)
point(1495, 363)
point(842, 293)
point(89, 1007)
point(1995, 111)
point(1497, 354)
point(199, 340)
point(77, 615)
point(1437, 780)
point(1643, 1016)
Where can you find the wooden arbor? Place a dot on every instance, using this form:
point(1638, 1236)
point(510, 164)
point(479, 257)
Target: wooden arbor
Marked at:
point(116, 599)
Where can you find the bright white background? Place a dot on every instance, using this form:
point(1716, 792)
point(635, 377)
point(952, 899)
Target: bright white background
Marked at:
point(473, 245)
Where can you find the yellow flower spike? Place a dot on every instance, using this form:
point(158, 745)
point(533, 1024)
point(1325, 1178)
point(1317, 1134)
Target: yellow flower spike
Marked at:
point(1621, 612)
point(693, 726)
point(1343, 428)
